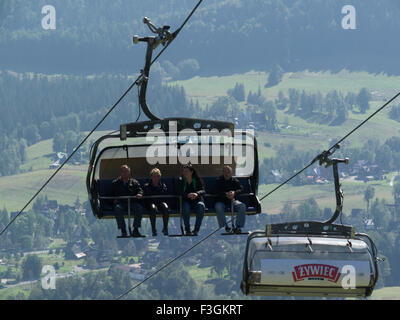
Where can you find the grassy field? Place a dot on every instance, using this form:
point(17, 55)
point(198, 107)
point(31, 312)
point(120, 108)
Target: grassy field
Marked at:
point(5, 294)
point(324, 195)
point(207, 89)
point(16, 190)
point(304, 134)
point(66, 187)
point(199, 274)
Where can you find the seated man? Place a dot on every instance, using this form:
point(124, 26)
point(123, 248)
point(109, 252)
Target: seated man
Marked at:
point(227, 188)
point(125, 185)
point(155, 206)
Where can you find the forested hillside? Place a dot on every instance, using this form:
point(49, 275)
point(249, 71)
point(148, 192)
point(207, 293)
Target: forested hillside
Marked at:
point(223, 36)
point(34, 108)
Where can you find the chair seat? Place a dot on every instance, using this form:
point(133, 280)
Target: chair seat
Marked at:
point(250, 201)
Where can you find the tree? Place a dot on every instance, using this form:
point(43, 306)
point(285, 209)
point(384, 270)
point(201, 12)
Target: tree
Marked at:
point(219, 264)
point(45, 130)
point(282, 102)
point(175, 284)
point(309, 209)
point(188, 68)
point(31, 134)
point(394, 113)
point(351, 100)
point(31, 267)
point(363, 100)
point(238, 92)
point(294, 100)
point(396, 192)
point(368, 195)
point(59, 142)
point(4, 217)
point(129, 249)
point(275, 76)
point(225, 107)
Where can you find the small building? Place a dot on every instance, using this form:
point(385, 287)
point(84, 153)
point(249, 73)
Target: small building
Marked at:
point(369, 224)
point(74, 252)
point(54, 165)
point(276, 176)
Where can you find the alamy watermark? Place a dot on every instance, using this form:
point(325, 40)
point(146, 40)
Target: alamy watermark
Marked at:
point(49, 21)
point(49, 279)
point(206, 146)
point(349, 277)
point(349, 21)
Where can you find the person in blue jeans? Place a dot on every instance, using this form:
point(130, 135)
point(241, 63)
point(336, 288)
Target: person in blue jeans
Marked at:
point(227, 188)
point(192, 190)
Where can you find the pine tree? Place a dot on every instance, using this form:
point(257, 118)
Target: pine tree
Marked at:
point(363, 100)
point(275, 76)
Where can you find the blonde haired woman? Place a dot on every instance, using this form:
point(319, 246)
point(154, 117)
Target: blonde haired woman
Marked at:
point(155, 206)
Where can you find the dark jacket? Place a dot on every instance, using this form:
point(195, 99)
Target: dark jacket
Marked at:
point(150, 190)
point(195, 187)
point(222, 186)
point(119, 188)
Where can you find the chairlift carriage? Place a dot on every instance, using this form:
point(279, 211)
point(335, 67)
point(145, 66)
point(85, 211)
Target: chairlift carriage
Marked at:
point(168, 144)
point(311, 258)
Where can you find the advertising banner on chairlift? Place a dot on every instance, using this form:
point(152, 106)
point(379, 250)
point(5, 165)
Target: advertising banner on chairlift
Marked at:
point(294, 272)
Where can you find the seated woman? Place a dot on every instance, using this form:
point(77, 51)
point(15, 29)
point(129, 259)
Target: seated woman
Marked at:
point(191, 189)
point(154, 205)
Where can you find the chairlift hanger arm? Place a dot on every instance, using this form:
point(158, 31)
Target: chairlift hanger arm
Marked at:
point(164, 37)
point(338, 190)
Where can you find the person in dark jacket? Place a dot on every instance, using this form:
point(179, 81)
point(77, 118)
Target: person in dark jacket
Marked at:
point(192, 191)
point(227, 188)
point(154, 205)
point(125, 185)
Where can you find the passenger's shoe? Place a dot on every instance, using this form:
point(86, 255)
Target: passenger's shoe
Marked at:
point(124, 234)
point(154, 233)
point(188, 233)
point(165, 231)
point(228, 229)
point(237, 231)
point(195, 232)
point(136, 234)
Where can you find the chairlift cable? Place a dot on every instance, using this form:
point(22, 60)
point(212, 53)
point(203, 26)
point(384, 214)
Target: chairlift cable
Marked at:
point(97, 125)
point(176, 33)
point(170, 262)
point(69, 158)
point(333, 148)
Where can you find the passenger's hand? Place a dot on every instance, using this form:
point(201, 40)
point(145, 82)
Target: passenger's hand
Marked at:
point(192, 196)
point(230, 195)
point(139, 196)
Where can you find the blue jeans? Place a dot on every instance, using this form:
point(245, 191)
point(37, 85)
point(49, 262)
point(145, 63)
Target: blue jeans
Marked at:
point(238, 207)
point(136, 212)
point(198, 208)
